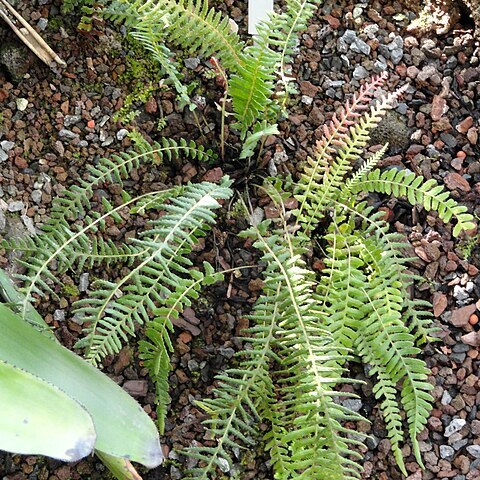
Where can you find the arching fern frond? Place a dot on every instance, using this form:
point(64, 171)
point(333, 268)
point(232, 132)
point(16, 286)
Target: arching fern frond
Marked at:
point(189, 24)
point(155, 349)
point(335, 133)
point(288, 331)
point(429, 194)
point(311, 360)
point(114, 308)
point(69, 236)
point(76, 202)
point(243, 396)
point(252, 85)
point(377, 328)
point(363, 171)
point(319, 185)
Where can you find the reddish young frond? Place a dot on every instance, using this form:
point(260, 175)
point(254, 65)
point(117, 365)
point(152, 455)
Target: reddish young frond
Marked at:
point(337, 131)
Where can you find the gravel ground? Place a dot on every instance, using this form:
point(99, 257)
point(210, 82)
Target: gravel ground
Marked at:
point(53, 123)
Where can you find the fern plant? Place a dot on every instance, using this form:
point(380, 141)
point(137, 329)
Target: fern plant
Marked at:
point(160, 280)
point(253, 70)
point(307, 326)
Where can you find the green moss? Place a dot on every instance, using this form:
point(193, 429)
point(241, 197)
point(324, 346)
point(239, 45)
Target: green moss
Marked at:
point(467, 247)
point(70, 290)
point(55, 23)
point(238, 211)
point(143, 78)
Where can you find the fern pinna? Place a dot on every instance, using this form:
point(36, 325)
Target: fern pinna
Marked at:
point(307, 325)
point(160, 279)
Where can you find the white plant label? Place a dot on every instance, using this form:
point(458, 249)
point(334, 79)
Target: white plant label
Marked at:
point(258, 10)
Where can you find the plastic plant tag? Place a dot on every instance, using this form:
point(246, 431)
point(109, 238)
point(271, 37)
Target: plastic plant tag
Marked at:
point(258, 10)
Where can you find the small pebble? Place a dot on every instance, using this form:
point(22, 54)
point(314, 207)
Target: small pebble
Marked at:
point(70, 120)
point(353, 404)
point(396, 55)
point(3, 221)
point(360, 72)
point(454, 426)
point(474, 450)
point(36, 196)
point(64, 133)
point(42, 24)
point(446, 398)
point(22, 104)
point(16, 206)
point(192, 63)
point(28, 222)
point(6, 145)
point(84, 282)
point(446, 452)
point(460, 293)
point(59, 315)
point(121, 134)
point(359, 46)
point(226, 352)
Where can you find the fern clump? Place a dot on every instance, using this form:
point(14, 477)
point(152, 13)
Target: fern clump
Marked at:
point(160, 279)
point(307, 325)
point(256, 73)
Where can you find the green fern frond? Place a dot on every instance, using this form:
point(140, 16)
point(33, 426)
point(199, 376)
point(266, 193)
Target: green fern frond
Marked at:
point(145, 34)
point(385, 342)
point(365, 289)
point(363, 171)
point(114, 308)
point(311, 367)
point(156, 346)
point(242, 398)
point(343, 284)
point(65, 244)
point(76, 202)
point(252, 85)
point(309, 439)
point(277, 448)
point(188, 24)
point(155, 352)
point(290, 23)
point(429, 194)
point(419, 320)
